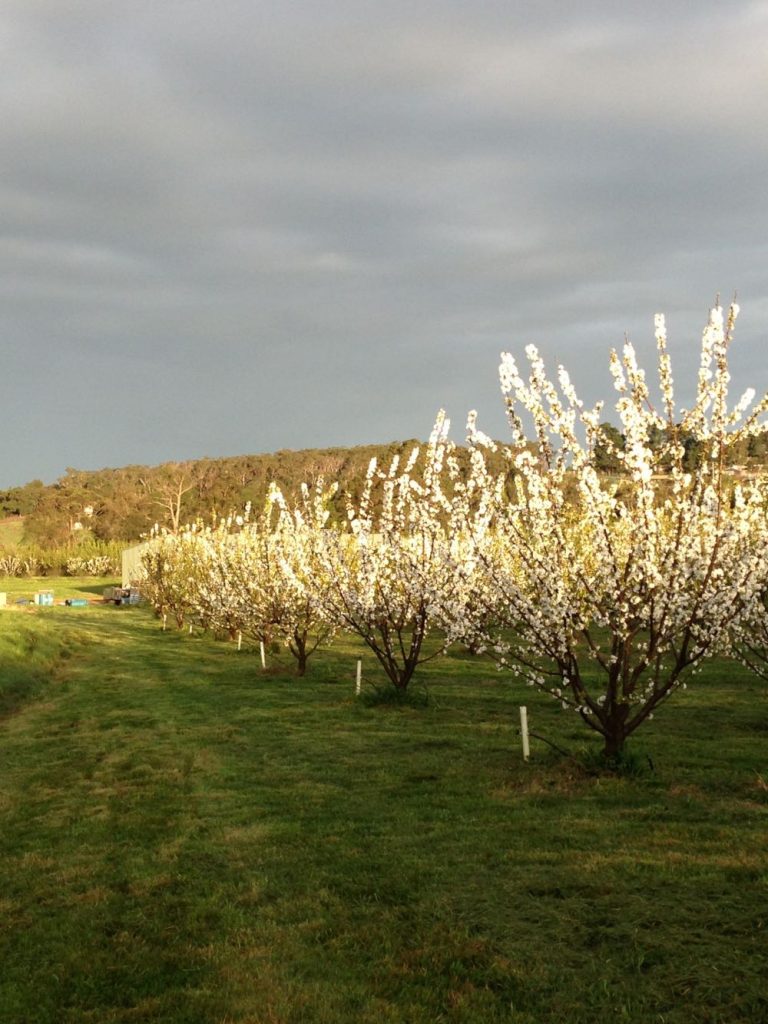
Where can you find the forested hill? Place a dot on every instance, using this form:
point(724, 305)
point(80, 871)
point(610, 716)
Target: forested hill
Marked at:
point(122, 504)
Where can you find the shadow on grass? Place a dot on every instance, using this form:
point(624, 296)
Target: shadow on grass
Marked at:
point(94, 588)
point(32, 655)
point(391, 696)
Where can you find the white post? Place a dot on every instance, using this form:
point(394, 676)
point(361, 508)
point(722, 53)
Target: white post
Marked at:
point(524, 732)
point(239, 640)
point(165, 619)
point(358, 678)
point(190, 629)
point(263, 655)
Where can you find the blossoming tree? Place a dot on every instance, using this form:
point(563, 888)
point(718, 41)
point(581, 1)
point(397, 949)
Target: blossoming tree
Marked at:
point(298, 612)
point(242, 575)
point(220, 590)
point(609, 596)
point(392, 574)
point(167, 566)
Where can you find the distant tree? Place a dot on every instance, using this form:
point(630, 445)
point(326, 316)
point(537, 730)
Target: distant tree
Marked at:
point(129, 500)
point(64, 510)
point(757, 449)
point(20, 501)
point(167, 494)
point(609, 448)
point(694, 450)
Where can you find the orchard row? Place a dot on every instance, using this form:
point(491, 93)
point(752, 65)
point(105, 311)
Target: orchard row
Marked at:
point(606, 593)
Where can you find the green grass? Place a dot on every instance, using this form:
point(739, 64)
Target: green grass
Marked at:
point(11, 532)
point(63, 587)
point(185, 838)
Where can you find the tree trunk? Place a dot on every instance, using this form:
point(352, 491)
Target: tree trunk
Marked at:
point(615, 731)
point(614, 745)
point(297, 645)
point(404, 677)
point(398, 675)
point(300, 654)
point(398, 672)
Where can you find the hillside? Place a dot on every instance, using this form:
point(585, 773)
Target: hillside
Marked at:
point(11, 531)
point(122, 504)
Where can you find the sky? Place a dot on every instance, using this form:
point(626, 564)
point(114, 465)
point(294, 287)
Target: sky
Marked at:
point(241, 226)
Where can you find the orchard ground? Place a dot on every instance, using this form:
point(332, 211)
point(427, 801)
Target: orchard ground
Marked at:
point(186, 838)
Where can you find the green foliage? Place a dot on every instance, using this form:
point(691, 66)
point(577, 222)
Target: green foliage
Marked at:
point(395, 696)
point(610, 443)
point(626, 762)
point(11, 532)
point(20, 501)
point(748, 452)
point(126, 502)
point(86, 556)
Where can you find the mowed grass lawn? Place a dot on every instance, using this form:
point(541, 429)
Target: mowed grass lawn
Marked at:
point(185, 838)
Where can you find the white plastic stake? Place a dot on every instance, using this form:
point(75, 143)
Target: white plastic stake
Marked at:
point(190, 629)
point(239, 640)
point(165, 619)
point(359, 678)
point(263, 654)
point(524, 732)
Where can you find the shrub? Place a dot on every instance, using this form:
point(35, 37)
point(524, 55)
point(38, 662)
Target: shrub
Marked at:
point(99, 565)
point(10, 565)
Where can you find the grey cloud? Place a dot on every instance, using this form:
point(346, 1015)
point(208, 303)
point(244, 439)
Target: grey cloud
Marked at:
point(261, 225)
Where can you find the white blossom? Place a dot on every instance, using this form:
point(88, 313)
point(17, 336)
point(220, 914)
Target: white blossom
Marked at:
point(640, 582)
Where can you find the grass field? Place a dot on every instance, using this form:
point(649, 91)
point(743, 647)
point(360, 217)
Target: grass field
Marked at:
point(11, 532)
point(24, 587)
point(185, 838)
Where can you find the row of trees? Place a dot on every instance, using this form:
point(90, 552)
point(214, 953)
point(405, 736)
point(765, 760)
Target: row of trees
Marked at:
point(123, 504)
point(746, 453)
point(289, 573)
point(606, 595)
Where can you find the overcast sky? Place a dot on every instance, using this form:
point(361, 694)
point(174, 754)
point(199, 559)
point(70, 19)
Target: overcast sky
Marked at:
point(241, 226)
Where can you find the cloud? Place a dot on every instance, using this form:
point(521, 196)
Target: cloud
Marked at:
point(259, 226)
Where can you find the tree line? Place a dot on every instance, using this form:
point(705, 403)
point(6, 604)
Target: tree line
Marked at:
point(122, 505)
